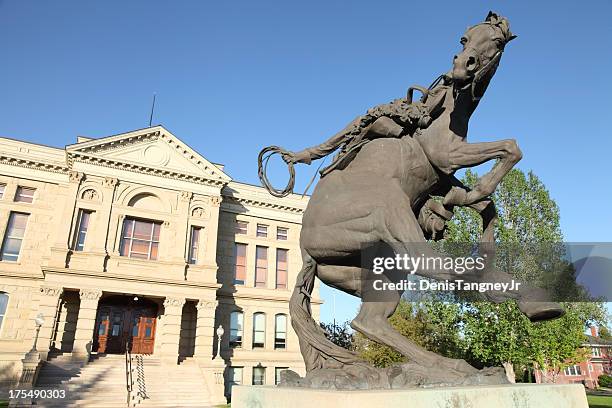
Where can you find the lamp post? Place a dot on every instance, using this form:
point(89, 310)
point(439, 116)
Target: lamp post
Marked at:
point(32, 358)
point(39, 320)
point(220, 332)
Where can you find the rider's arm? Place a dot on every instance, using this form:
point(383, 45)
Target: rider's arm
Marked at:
point(382, 127)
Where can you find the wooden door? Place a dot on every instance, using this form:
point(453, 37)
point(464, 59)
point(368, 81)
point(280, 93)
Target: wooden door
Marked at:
point(142, 331)
point(115, 338)
point(102, 324)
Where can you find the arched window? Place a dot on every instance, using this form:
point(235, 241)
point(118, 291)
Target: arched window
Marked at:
point(3, 304)
point(259, 330)
point(236, 324)
point(280, 331)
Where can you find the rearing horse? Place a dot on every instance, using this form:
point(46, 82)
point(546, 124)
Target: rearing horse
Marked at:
point(375, 197)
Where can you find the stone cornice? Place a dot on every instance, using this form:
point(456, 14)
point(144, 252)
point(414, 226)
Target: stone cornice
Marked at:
point(264, 204)
point(142, 169)
point(30, 163)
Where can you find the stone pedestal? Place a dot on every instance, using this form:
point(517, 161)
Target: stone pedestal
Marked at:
point(47, 306)
point(86, 321)
point(487, 396)
point(171, 329)
point(212, 371)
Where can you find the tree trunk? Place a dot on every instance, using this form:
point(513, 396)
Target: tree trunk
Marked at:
point(509, 371)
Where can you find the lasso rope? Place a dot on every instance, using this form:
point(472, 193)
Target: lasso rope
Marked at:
point(262, 168)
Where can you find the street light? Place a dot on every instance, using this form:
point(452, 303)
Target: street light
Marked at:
point(220, 332)
point(39, 320)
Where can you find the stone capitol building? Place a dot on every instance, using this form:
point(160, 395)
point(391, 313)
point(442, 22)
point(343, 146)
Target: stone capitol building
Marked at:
point(137, 241)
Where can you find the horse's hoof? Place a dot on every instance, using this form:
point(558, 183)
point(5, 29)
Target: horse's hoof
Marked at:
point(540, 311)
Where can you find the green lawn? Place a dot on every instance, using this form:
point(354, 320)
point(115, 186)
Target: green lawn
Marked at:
point(596, 401)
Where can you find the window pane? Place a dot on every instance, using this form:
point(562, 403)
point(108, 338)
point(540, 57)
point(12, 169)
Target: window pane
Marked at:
point(3, 303)
point(25, 194)
point(259, 375)
point(2, 188)
point(259, 329)
point(82, 230)
point(262, 230)
point(261, 266)
point(240, 264)
point(142, 230)
point(156, 228)
point(17, 225)
point(193, 245)
point(128, 224)
point(241, 227)
point(281, 269)
point(277, 374)
point(13, 238)
point(3, 306)
point(280, 331)
point(236, 324)
point(281, 234)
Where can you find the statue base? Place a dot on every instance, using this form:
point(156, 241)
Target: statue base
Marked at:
point(483, 396)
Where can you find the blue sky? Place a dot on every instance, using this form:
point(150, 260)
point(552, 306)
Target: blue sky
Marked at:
point(232, 78)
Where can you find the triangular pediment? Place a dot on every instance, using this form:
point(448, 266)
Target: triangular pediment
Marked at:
point(155, 148)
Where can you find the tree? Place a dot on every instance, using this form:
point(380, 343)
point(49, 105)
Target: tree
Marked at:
point(430, 324)
point(500, 334)
point(339, 334)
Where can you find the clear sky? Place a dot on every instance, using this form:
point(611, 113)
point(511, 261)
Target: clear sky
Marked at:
point(233, 77)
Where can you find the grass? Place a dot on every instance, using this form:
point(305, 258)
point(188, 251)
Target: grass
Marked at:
point(597, 401)
point(3, 404)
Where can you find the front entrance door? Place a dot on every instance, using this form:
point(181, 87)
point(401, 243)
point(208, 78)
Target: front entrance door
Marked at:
point(131, 324)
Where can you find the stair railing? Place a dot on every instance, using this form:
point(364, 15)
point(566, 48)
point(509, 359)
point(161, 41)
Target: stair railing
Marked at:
point(129, 381)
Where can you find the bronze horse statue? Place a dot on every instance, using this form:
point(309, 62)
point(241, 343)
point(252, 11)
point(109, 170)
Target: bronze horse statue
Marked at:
point(380, 189)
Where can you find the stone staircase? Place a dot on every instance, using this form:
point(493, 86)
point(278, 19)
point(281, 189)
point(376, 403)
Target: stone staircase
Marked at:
point(102, 383)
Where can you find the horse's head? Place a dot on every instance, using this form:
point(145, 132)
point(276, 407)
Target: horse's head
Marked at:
point(483, 45)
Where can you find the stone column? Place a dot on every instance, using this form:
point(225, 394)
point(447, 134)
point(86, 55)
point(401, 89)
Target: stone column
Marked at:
point(205, 329)
point(83, 336)
point(65, 218)
point(212, 366)
point(180, 229)
point(171, 329)
point(103, 227)
point(210, 257)
point(48, 304)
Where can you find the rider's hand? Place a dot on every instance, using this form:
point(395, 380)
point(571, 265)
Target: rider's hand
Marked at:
point(288, 157)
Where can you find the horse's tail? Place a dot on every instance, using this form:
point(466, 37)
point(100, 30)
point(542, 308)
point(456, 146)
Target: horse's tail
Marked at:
point(316, 349)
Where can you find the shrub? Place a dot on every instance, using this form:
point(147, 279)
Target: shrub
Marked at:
point(605, 380)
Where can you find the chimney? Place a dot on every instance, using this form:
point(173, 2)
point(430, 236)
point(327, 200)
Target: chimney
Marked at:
point(593, 331)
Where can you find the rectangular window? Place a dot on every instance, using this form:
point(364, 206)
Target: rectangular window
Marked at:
point(277, 374)
point(596, 352)
point(261, 266)
point(572, 370)
point(240, 251)
point(262, 231)
point(194, 244)
point(280, 332)
point(13, 237)
point(234, 378)
point(282, 233)
point(241, 227)
point(2, 188)
point(81, 232)
point(140, 239)
point(259, 375)
point(236, 324)
point(259, 330)
point(3, 305)
point(24, 194)
point(281, 268)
